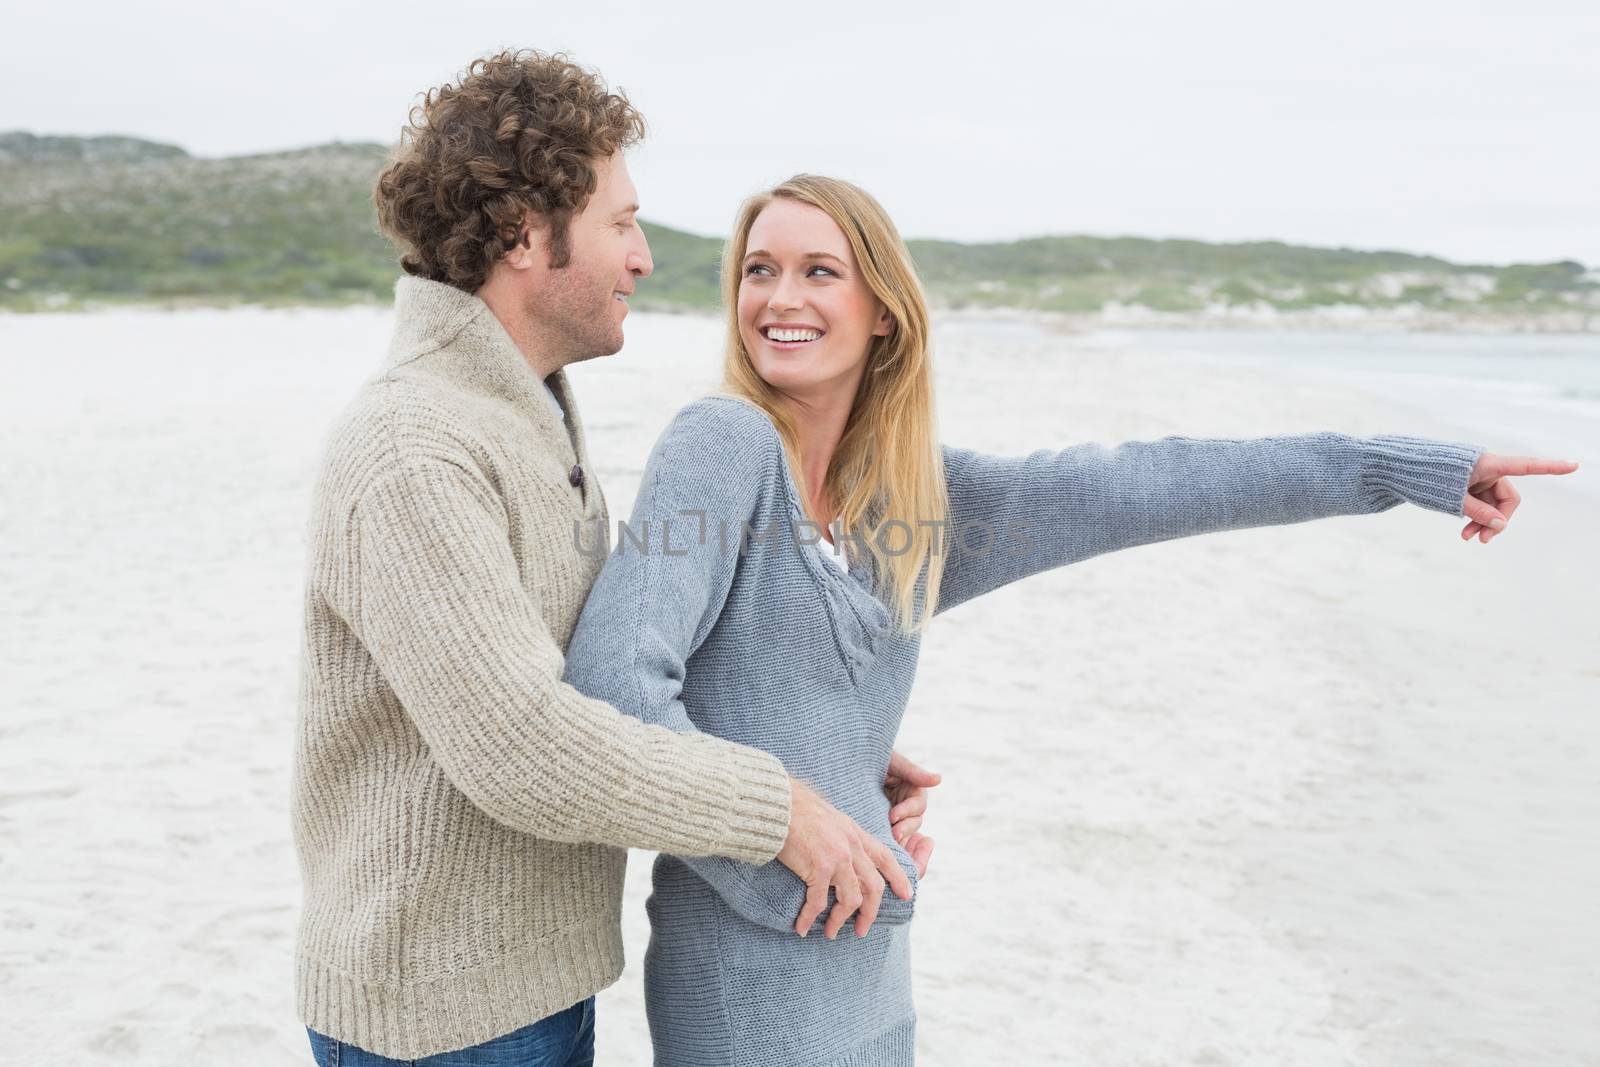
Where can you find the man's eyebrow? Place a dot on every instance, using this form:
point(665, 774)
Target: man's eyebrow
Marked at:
point(808, 255)
point(631, 209)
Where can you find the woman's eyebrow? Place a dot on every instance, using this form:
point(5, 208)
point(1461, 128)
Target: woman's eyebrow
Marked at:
point(808, 255)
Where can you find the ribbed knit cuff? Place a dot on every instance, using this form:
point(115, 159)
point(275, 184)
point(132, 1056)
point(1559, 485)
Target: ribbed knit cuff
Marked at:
point(758, 823)
point(1431, 474)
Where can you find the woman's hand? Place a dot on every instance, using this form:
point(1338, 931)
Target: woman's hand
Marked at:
point(1491, 498)
point(906, 786)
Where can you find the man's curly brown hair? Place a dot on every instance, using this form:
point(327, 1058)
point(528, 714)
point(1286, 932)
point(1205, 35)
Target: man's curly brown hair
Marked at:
point(520, 133)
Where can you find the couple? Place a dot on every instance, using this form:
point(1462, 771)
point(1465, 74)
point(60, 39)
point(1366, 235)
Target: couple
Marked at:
point(491, 713)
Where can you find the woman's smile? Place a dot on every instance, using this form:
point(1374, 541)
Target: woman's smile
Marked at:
point(790, 336)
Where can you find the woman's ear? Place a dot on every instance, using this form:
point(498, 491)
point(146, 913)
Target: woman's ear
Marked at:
point(885, 324)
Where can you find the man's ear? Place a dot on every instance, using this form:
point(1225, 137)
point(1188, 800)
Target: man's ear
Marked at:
point(529, 250)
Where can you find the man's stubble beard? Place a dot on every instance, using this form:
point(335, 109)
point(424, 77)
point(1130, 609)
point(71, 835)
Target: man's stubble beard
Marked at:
point(580, 323)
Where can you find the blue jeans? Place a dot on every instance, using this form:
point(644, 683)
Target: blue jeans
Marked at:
point(565, 1039)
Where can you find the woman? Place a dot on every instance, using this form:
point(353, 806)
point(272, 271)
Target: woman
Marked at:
point(727, 609)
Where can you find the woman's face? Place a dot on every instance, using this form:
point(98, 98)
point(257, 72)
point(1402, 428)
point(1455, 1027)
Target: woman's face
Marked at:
point(805, 314)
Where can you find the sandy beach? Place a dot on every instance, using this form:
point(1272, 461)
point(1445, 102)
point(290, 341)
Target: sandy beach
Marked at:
point(1313, 795)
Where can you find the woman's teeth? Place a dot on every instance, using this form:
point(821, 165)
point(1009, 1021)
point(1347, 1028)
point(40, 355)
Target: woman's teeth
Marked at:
point(792, 335)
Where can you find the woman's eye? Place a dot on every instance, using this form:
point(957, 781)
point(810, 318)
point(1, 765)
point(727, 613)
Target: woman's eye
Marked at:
point(824, 270)
point(755, 268)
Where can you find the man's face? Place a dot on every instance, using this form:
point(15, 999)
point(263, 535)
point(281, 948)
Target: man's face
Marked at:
point(585, 302)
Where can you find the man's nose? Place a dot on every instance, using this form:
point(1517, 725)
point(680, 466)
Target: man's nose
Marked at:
point(639, 262)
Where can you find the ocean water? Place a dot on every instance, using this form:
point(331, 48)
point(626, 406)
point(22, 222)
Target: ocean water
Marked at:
point(1518, 394)
point(1535, 393)
point(1558, 368)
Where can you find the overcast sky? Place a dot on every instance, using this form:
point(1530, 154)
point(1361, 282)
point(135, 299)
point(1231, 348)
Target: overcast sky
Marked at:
point(1465, 129)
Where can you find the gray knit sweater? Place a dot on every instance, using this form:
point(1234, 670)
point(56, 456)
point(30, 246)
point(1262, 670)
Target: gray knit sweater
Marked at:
point(460, 814)
point(780, 649)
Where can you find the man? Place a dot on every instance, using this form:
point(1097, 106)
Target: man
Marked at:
point(461, 816)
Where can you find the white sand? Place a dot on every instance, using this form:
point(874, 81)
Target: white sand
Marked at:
point(1323, 794)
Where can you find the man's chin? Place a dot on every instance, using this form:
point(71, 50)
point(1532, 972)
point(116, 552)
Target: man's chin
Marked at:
point(612, 343)
point(608, 346)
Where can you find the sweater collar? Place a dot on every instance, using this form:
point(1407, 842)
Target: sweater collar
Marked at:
point(430, 316)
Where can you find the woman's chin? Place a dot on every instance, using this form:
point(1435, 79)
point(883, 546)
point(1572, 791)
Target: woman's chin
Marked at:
point(795, 373)
point(787, 376)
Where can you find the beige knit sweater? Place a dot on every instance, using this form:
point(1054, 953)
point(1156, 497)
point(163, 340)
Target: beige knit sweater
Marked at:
point(460, 814)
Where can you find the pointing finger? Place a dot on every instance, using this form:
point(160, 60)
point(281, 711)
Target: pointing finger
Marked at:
point(1520, 465)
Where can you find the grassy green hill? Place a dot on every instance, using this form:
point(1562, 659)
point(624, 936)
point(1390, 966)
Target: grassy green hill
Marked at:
point(113, 219)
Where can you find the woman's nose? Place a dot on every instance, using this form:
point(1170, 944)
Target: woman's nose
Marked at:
point(785, 296)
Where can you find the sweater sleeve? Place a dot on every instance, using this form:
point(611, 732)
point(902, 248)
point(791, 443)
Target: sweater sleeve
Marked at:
point(1014, 517)
point(654, 605)
point(459, 638)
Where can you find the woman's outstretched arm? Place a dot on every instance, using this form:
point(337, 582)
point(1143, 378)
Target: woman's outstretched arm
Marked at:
point(655, 603)
point(1013, 517)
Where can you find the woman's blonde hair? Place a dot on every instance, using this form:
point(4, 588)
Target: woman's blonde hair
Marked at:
point(887, 475)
